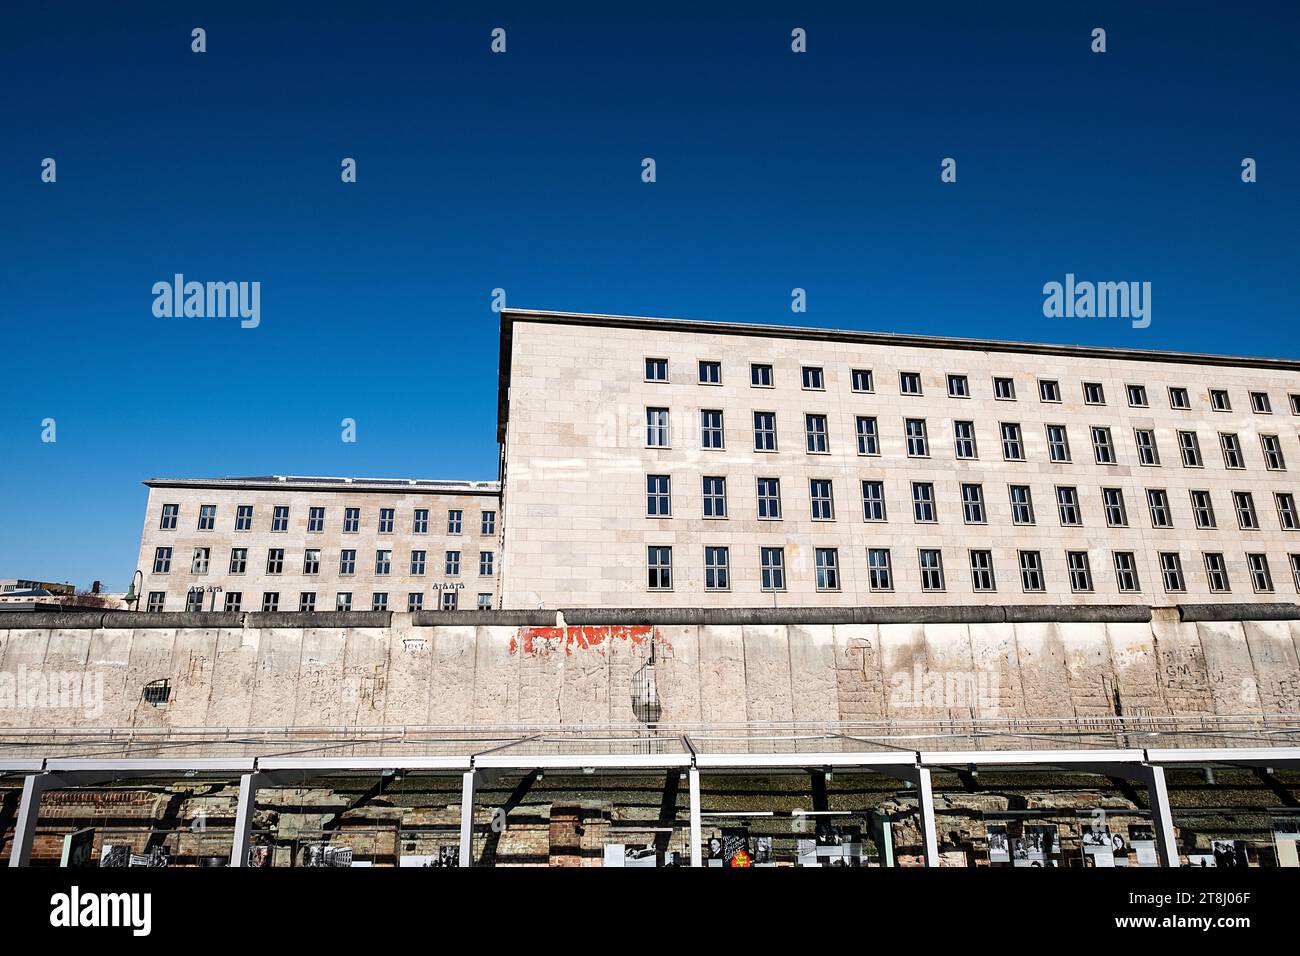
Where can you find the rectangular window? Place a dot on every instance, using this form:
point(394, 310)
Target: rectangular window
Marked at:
point(656, 427)
point(1022, 504)
point(244, 518)
point(275, 561)
point(765, 431)
point(659, 562)
point(1171, 571)
point(1202, 509)
point(981, 571)
point(207, 517)
point(238, 560)
point(199, 564)
point(485, 602)
point(162, 560)
point(656, 370)
point(311, 561)
point(931, 561)
point(760, 376)
point(1103, 449)
point(918, 445)
point(827, 561)
point(1126, 575)
point(873, 501)
point(1273, 459)
point(343, 601)
point(868, 435)
point(1031, 571)
point(351, 520)
point(1004, 389)
point(1286, 512)
point(772, 564)
point(972, 504)
point(315, 520)
point(863, 380)
point(1260, 577)
point(1260, 404)
point(715, 497)
point(270, 601)
point(233, 601)
point(1231, 451)
point(451, 563)
point(1076, 563)
point(420, 521)
point(1219, 400)
point(658, 498)
point(414, 602)
point(450, 600)
point(1067, 503)
point(710, 373)
point(1295, 404)
point(418, 560)
point(488, 522)
point(1093, 394)
point(486, 564)
point(157, 600)
point(169, 515)
point(816, 434)
point(769, 498)
point(1013, 449)
point(880, 576)
point(1049, 390)
point(385, 521)
point(812, 378)
point(923, 502)
point(347, 562)
point(1158, 504)
point(1058, 444)
point(1148, 453)
point(383, 562)
point(1116, 513)
point(1178, 399)
point(280, 518)
point(1190, 448)
point(379, 601)
point(711, 428)
point(455, 520)
point(1216, 572)
point(194, 599)
point(909, 383)
point(1244, 503)
point(822, 496)
point(963, 439)
point(717, 569)
point(1137, 395)
point(958, 386)
point(1295, 571)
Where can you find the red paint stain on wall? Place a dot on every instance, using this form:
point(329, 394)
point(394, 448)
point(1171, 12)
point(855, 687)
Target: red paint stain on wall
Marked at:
point(542, 641)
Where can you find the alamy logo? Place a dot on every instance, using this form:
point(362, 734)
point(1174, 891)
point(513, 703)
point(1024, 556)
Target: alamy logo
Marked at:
point(210, 300)
point(1100, 300)
point(74, 908)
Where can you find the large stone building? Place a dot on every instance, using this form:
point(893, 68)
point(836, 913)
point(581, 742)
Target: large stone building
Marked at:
point(282, 543)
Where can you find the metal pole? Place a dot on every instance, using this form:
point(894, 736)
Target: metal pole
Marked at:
point(20, 854)
point(248, 787)
point(694, 777)
point(1161, 817)
point(467, 788)
point(929, 833)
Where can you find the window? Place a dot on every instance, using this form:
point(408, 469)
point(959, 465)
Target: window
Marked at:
point(717, 569)
point(963, 439)
point(1137, 397)
point(455, 519)
point(1295, 404)
point(1295, 571)
point(244, 518)
point(1171, 571)
point(868, 435)
point(958, 386)
point(972, 504)
point(233, 600)
point(1202, 509)
point(1231, 451)
point(815, 432)
point(1103, 449)
point(1219, 400)
point(1076, 562)
point(710, 373)
point(1260, 578)
point(769, 498)
point(194, 599)
point(715, 497)
point(414, 602)
point(1004, 389)
point(1049, 390)
point(418, 560)
point(1013, 449)
point(1031, 571)
point(488, 522)
point(711, 428)
point(827, 562)
point(658, 499)
point(271, 601)
point(347, 561)
point(822, 497)
point(931, 560)
point(343, 601)
point(765, 431)
point(156, 602)
point(909, 383)
point(1260, 404)
point(1158, 504)
point(1067, 503)
point(275, 561)
point(863, 380)
point(873, 501)
point(1093, 394)
point(918, 446)
point(1244, 503)
point(379, 601)
point(385, 521)
point(812, 378)
point(1126, 575)
point(760, 376)
point(923, 501)
point(451, 563)
point(772, 563)
point(656, 370)
point(199, 563)
point(384, 562)
point(1286, 513)
point(1148, 454)
point(1113, 502)
point(880, 576)
point(351, 520)
point(315, 520)
point(485, 602)
point(169, 515)
point(1273, 459)
point(1190, 448)
point(486, 564)
point(981, 571)
point(656, 427)
point(1058, 444)
point(311, 561)
point(280, 518)
point(1022, 505)
point(1178, 400)
point(1216, 572)
point(238, 560)
point(420, 521)
point(207, 517)
point(450, 600)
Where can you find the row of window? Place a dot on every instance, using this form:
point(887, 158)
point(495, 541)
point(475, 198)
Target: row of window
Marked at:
point(311, 561)
point(965, 445)
point(234, 600)
point(316, 519)
point(863, 380)
point(880, 570)
point(821, 497)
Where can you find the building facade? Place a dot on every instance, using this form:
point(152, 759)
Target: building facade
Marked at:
point(282, 543)
point(666, 463)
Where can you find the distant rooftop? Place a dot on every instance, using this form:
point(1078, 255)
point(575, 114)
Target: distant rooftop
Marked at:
point(326, 483)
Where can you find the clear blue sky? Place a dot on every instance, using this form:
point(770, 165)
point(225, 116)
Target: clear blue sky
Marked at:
point(522, 171)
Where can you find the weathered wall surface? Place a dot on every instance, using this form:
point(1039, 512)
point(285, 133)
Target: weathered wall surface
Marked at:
point(239, 672)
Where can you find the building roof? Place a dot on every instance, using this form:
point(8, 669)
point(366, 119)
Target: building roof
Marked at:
point(321, 483)
point(510, 316)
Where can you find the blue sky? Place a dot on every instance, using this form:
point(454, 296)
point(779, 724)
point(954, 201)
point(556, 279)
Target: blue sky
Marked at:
point(522, 171)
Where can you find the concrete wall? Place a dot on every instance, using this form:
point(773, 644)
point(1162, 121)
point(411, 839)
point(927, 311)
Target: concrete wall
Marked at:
point(89, 670)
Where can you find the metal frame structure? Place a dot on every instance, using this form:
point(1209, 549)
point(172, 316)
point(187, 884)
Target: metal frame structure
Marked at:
point(277, 757)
